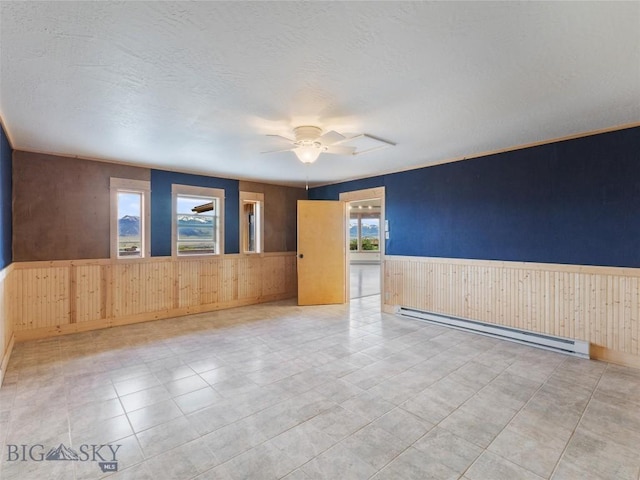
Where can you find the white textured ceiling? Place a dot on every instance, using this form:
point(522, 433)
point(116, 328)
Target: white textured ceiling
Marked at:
point(195, 86)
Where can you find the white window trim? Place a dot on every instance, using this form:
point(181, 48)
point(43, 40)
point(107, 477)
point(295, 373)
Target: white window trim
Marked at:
point(134, 186)
point(258, 198)
point(177, 189)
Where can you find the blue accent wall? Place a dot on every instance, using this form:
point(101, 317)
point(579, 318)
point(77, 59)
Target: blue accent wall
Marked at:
point(161, 182)
point(570, 202)
point(5, 200)
point(332, 192)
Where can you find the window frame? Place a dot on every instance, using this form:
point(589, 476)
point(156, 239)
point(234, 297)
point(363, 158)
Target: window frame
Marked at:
point(359, 216)
point(207, 192)
point(126, 185)
point(258, 199)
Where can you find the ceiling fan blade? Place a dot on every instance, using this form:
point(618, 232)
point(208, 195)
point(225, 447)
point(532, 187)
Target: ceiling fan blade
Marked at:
point(281, 150)
point(281, 137)
point(340, 150)
point(331, 137)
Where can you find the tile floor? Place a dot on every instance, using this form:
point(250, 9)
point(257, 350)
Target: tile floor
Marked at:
point(365, 280)
point(333, 392)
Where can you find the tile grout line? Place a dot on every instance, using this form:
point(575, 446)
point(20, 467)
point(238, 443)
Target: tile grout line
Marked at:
point(593, 391)
point(333, 445)
point(279, 340)
point(511, 420)
point(435, 425)
point(67, 411)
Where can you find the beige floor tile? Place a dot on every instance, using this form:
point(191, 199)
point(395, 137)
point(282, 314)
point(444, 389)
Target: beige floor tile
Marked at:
point(303, 442)
point(480, 431)
point(374, 445)
point(211, 418)
point(338, 423)
point(297, 475)
point(329, 392)
point(368, 405)
point(265, 461)
point(450, 450)
point(412, 464)
point(197, 400)
point(340, 463)
point(83, 416)
point(593, 452)
point(137, 472)
point(185, 385)
point(403, 425)
point(491, 466)
point(144, 398)
point(234, 439)
point(153, 415)
point(127, 454)
point(104, 431)
point(533, 454)
point(429, 406)
point(167, 436)
point(136, 384)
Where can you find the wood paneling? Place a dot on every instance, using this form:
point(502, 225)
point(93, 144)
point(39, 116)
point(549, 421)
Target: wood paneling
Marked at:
point(49, 298)
point(6, 325)
point(596, 304)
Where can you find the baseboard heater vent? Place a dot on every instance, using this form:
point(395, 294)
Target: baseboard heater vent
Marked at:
point(569, 346)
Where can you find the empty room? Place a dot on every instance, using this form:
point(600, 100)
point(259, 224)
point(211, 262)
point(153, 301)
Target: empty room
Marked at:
point(319, 240)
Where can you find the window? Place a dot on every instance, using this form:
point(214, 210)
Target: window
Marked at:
point(251, 222)
point(364, 232)
point(198, 219)
point(129, 218)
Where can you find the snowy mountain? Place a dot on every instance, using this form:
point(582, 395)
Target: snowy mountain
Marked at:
point(192, 220)
point(129, 226)
point(367, 231)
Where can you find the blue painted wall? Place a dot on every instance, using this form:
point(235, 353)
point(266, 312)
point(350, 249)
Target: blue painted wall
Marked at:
point(5, 200)
point(161, 182)
point(571, 202)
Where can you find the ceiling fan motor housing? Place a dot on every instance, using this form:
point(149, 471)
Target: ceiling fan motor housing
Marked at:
point(310, 142)
point(308, 136)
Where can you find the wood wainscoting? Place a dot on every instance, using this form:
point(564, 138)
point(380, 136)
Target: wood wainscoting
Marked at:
point(6, 325)
point(600, 305)
point(59, 297)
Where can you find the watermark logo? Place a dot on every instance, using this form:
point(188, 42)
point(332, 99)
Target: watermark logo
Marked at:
point(103, 454)
point(62, 453)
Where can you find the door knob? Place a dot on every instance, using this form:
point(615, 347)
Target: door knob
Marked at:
point(301, 255)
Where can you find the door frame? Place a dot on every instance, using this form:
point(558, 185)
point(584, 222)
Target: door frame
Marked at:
point(357, 195)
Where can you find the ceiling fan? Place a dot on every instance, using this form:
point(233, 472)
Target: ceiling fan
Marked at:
point(310, 142)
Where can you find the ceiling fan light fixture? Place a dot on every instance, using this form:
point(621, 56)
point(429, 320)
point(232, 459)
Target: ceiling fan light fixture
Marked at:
point(309, 142)
point(308, 153)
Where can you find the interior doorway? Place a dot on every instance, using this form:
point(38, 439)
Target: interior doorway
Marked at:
point(365, 239)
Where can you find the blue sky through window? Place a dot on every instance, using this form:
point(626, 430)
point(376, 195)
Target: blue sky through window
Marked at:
point(185, 204)
point(129, 204)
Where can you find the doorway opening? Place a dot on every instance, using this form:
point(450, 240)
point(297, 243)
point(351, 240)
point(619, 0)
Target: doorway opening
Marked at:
point(364, 247)
point(365, 239)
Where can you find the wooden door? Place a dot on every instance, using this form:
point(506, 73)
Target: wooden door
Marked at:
point(321, 252)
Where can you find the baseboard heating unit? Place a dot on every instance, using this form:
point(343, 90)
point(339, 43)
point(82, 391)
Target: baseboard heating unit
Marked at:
point(569, 346)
